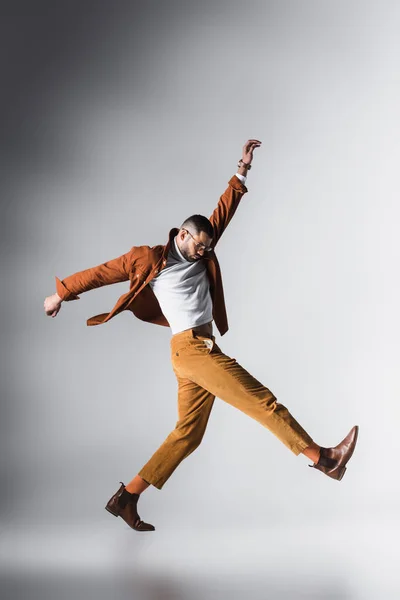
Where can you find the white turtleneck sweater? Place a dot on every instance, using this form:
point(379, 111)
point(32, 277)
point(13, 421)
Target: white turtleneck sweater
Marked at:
point(182, 290)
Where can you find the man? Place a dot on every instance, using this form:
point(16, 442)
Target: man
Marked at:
point(179, 285)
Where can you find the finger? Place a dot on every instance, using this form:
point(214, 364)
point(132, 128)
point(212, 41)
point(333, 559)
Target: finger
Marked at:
point(252, 148)
point(251, 142)
point(251, 145)
point(249, 151)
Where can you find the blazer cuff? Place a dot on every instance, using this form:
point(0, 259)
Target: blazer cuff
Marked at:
point(64, 292)
point(237, 185)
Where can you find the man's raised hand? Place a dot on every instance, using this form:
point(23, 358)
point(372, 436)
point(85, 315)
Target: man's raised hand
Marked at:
point(248, 148)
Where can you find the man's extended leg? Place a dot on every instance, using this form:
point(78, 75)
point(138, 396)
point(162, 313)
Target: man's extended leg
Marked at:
point(199, 359)
point(194, 407)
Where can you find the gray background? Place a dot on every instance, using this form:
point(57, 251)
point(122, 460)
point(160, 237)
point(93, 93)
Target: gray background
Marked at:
point(119, 120)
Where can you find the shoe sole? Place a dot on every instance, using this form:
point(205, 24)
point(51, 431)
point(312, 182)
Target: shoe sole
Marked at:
point(117, 515)
point(341, 475)
point(114, 514)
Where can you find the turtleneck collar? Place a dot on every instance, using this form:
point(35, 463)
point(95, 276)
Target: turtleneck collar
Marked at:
point(178, 252)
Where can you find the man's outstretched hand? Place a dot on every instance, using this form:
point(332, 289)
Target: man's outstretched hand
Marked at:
point(52, 305)
point(248, 148)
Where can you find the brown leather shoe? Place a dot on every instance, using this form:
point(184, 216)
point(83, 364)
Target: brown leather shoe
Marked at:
point(123, 504)
point(332, 461)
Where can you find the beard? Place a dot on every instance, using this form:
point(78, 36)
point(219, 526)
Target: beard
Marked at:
point(189, 257)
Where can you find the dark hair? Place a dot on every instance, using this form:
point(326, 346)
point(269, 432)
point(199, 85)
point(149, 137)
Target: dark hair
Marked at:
point(198, 223)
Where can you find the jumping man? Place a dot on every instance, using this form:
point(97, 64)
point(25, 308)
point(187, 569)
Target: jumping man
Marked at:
point(179, 285)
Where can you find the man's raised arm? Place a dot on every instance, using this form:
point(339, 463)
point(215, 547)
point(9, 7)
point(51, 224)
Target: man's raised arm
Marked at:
point(229, 201)
point(112, 271)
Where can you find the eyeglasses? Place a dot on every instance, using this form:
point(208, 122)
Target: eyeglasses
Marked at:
point(197, 245)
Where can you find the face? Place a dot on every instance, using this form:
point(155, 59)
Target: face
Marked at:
point(189, 246)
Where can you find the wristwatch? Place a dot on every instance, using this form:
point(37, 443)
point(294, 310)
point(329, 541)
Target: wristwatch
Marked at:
point(241, 163)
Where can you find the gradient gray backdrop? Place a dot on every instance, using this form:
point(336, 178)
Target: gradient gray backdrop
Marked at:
point(120, 120)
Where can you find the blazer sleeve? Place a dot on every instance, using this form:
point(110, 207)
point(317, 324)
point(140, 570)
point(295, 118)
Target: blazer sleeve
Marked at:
point(226, 208)
point(112, 271)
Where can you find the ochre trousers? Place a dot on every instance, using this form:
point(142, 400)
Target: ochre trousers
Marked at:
point(204, 372)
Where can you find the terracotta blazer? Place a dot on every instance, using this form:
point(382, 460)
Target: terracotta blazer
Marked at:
point(142, 263)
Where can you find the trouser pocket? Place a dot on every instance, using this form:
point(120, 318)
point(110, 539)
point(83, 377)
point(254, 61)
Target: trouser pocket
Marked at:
point(199, 344)
point(205, 342)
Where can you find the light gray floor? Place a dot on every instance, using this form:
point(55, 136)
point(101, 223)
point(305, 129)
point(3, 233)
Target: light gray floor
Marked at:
point(354, 560)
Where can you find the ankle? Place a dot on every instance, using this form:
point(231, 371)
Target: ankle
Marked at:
point(131, 490)
point(137, 485)
point(127, 498)
point(313, 452)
